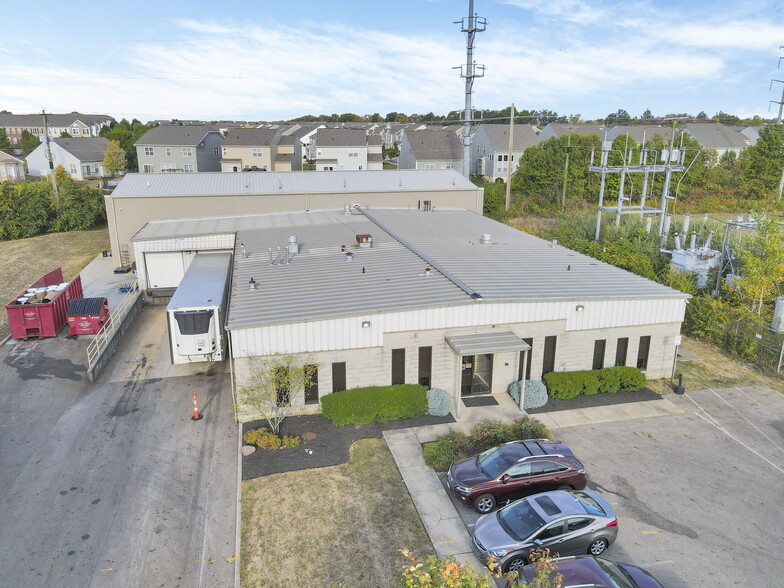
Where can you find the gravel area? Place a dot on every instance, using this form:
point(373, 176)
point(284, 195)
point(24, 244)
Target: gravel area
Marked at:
point(323, 444)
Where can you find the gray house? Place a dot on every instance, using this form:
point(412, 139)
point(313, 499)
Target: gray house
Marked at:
point(430, 149)
point(641, 133)
point(180, 148)
point(11, 168)
point(81, 157)
point(721, 138)
point(490, 149)
point(562, 129)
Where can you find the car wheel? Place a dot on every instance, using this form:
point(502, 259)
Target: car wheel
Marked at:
point(515, 564)
point(598, 547)
point(485, 503)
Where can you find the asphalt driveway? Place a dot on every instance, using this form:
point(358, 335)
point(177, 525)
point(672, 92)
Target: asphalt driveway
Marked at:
point(698, 494)
point(112, 484)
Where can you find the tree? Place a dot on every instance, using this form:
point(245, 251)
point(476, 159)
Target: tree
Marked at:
point(5, 112)
point(28, 142)
point(762, 264)
point(702, 116)
point(390, 117)
point(647, 115)
point(114, 158)
point(64, 134)
point(5, 142)
point(401, 118)
point(271, 385)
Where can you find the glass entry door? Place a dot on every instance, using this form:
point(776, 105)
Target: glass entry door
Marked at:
point(477, 374)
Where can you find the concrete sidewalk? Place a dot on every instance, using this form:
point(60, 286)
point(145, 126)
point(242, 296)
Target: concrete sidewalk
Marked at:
point(439, 516)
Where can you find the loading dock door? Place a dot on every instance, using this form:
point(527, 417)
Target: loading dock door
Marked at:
point(164, 269)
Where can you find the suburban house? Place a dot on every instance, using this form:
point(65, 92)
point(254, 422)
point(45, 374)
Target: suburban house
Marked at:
point(490, 149)
point(11, 168)
point(563, 129)
point(641, 133)
point(721, 138)
point(80, 157)
point(430, 149)
point(180, 148)
point(346, 150)
point(75, 124)
point(290, 148)
point(443, 297)
point(250, 150)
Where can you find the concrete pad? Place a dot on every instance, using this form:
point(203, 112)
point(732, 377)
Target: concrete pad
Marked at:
point(449, 536)
point(432, 432)
point(547, 420)
point(420, 478)
point(432, 506)
point(409, 454)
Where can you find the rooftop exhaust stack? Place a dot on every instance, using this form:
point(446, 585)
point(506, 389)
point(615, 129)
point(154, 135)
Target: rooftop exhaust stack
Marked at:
point(293, 246)
point(244, 251)
point(349, 256)
point(251, 284)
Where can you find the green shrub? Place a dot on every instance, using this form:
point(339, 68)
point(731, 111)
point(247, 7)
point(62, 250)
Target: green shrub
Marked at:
point(489, 433)
point(527, 427)
point(447, 449)
point(609, 381)
point(263, 439)
point(629, 378)
point(589, 380)
point(562, 385)
point(375, 404)
point(439, 402)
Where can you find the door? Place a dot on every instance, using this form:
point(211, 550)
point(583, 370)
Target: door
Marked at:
point(477, 374)
point(398, 366)
point(519, 482)
point(164, 269)
point(576, 540)
point(552, 537)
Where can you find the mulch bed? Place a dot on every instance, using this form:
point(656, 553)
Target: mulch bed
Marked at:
point(323, 444)
point(554, 404)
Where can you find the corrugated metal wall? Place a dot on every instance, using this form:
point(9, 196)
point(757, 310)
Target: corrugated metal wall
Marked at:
point(192, 244)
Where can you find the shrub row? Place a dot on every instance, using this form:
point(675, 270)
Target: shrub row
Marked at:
point(565, 385)
point(266, 440)
point(375, 404)
point(441, 453)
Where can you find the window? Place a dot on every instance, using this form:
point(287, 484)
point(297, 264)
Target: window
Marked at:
point(598, 353)
point(74, 169)
point(187, 151)
point(522, 470)
point(149, 168)
point(548, 364)
point(552, 531)
point(425, 365)
point(149, 150)
point(225, 152)
point(256, 152)
point(283, 386)
point(75, 131)
point(642, 352)
point(338, 376)
point(353, 153)
point(167, 167)
point(573, 525)
point(446, 166)
point(311, 387)
point(528, 354)
point(430, 166)
point(398, 366)
point(620, 351)
point(216, 150)
point(541, 468)
point(188, 167)
point(506, 157)
point(500, 158)
point(168, 152)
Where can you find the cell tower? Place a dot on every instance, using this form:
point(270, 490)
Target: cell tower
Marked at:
point(471, 25)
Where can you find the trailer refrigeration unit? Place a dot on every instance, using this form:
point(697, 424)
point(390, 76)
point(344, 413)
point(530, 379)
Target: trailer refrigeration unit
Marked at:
point(197, 310)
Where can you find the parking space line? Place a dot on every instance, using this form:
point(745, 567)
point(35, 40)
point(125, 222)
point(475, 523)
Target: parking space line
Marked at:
point(730, 435)
point(776, 445)
point(713, 421)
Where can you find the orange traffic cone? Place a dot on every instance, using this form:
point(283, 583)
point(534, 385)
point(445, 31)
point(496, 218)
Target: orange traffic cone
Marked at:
point(196, 416)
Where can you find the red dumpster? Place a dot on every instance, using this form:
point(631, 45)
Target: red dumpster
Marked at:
point(86, 316)
point(40, 311)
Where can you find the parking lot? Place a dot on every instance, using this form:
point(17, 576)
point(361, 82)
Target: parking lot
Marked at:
point(697, 495)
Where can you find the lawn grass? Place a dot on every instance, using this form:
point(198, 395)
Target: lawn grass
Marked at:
point(25, 260)
point(716, 369)
point(331, 526)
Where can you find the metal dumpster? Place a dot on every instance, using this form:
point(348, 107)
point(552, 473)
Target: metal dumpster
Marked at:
point(86, 316)
point(40, 311)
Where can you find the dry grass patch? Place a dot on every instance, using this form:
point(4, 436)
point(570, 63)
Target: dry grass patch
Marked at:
point(716, 369)
point(25, 260)
point(331, 526)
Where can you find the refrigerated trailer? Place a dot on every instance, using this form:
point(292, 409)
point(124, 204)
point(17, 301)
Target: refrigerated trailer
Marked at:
point(197, 310)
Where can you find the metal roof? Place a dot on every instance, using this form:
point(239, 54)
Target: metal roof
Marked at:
point(320, 283)
point(204, 282)
point(490, 342)
point(212, 184)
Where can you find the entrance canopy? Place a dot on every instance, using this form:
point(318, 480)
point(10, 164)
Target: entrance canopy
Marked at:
point(481, 343)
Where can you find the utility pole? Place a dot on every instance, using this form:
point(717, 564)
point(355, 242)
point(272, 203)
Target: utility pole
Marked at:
point(471, 25)
point(566, 165)
point(509, 160)
point(781, 110)
point(50, 157)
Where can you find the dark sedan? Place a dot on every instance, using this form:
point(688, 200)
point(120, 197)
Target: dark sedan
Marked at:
point(585, 570)
point(565, 522)
point(514, 470)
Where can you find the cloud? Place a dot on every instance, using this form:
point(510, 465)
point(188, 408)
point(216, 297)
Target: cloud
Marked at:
point(578, 11)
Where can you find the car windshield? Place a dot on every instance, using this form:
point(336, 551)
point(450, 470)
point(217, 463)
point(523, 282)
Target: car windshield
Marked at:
point(589, 504)
point(616, 573)
point(520, 520)
point(493, 462)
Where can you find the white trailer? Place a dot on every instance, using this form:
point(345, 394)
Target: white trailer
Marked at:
point(197, 310)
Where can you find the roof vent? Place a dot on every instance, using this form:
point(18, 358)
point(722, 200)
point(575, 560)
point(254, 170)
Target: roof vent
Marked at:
point(346, 209)
point(485, 239)
point(427, 271)
point(365, 241)
point(349, 256)
point(293, 246)
point(251, 284)
point(554, 243)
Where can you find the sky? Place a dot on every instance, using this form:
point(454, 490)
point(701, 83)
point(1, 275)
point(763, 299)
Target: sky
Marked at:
point(276, 60)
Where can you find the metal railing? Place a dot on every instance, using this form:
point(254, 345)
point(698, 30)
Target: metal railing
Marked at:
point(102, 339)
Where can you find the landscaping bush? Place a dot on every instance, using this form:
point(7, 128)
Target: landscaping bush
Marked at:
point(609, 381)
point(514, 391)
point(375, 404)
point(629, 378)
point(490, 432)
point(263, 439)
point(527, 427)
point(535, 394)
point(443, 452)
point(563, 385)
point(438, 402)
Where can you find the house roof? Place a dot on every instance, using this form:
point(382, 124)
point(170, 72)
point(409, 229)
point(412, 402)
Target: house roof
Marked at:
point(53, 120)
point(176, 135)
point(83, 148)
point(250, 137)
point(8, 158)
point(524, 136)
point(391, 276)
point(434, 144)
point(718, 136)
point(375, 140)
point(562, 129)
point(637, 132)
point(215, 184)
point(341, 138)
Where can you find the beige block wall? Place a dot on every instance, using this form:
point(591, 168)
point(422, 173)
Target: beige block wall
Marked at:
point(245, 155)
point(574, 351)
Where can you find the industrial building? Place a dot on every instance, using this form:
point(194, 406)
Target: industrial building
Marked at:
point(444, 297)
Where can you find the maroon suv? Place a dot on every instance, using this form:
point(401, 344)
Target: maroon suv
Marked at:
point(514, 470)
